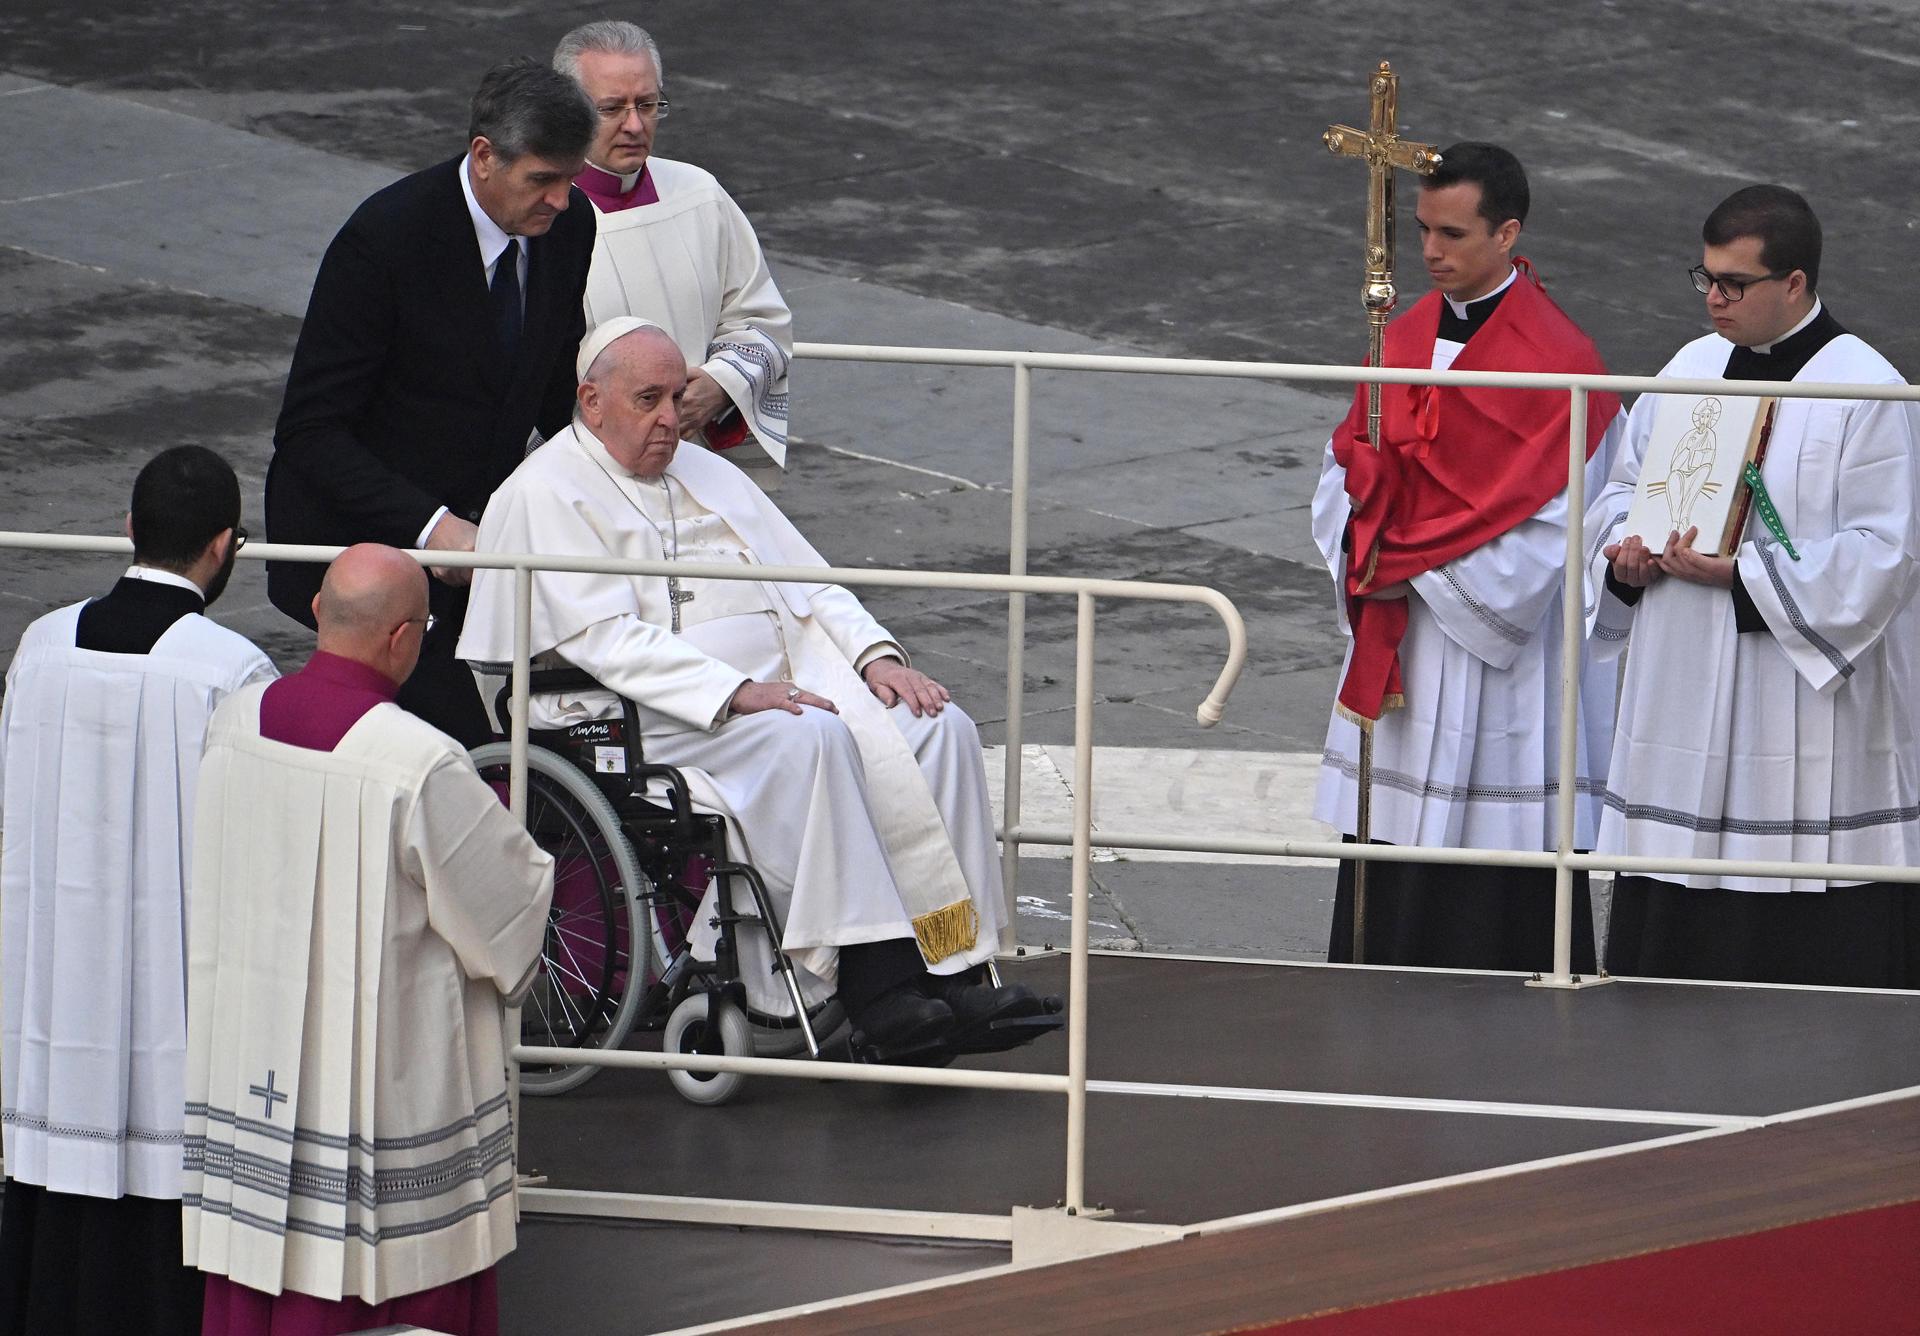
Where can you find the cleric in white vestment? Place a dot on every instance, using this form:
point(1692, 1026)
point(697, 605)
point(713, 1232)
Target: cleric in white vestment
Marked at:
point(1767, 708)
point(363, 903)
point(673, 247)
point(106, 712)
point(870, 824)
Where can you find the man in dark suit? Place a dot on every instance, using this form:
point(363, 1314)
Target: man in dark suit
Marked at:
point(438, 344)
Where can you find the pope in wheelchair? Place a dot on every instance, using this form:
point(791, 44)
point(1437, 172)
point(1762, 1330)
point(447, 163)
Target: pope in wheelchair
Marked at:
point(853, 789)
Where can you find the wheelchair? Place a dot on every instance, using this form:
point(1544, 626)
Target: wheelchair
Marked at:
point(633, 860)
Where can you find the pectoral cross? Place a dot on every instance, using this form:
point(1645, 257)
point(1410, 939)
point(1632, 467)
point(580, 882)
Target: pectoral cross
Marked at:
point(1383, 150)
point(675, 597)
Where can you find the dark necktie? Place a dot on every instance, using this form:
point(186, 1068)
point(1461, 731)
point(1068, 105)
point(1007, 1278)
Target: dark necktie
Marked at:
point(506, 297)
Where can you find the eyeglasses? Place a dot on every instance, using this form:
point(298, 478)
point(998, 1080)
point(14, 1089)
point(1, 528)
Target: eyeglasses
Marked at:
point(426, 623)
point(239, 538)
point(1731, 289)
point(652, 110)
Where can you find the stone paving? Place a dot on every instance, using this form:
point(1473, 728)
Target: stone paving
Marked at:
point(1089, 175)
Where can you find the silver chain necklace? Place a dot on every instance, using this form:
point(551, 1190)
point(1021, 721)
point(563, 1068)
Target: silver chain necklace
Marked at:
point(675, 594)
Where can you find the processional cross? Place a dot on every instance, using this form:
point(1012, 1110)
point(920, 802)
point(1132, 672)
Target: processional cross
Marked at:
point(1383, 150)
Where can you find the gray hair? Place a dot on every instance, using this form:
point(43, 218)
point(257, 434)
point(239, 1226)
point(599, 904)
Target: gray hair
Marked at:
point(615, 37)
point(523, 107)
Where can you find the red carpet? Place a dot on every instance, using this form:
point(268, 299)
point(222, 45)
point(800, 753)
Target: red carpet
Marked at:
point(1857, 1274)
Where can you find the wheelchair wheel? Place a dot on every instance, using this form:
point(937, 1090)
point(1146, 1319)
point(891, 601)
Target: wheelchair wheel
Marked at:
point(593, 963)
point(698, 1021)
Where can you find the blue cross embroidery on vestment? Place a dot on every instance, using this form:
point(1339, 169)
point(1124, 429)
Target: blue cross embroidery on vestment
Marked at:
point(268, 1095)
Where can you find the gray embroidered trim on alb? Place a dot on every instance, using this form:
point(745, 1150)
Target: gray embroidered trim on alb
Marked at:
point(1419, 788)
point(1593, 555)
point(339, 1234)
point(756, 364)
point(222, 1162)
point(75, 1132)
point(1768, 557)
point(1734, 825)
point(1499, 625)
point(359, 1144)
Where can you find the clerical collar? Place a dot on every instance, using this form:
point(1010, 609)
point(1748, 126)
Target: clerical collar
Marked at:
point(1788, 355)
point(489, 234)
point(610, 183)
point(1766, 349)
point(154, 575)
point(1466, 310)
point(1459, 321)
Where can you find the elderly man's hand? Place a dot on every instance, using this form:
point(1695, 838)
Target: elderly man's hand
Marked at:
point(892, 682)
point(452, 534)
point(1633, 565)
point(701, 403)
point(753, 697)
point(1683, 563)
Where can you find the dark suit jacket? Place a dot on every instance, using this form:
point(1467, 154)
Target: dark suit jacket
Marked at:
point(401, 399)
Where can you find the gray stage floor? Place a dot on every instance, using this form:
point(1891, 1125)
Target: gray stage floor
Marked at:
point(1601, 1068)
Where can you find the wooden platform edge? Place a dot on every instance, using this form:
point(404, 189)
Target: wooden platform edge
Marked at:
point(1785, 1173)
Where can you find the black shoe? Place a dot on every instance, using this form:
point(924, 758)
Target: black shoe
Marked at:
point(980, 1004)
point(901, 1018)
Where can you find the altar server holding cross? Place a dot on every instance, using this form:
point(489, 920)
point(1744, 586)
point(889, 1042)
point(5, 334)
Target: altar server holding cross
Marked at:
point(1447, 544)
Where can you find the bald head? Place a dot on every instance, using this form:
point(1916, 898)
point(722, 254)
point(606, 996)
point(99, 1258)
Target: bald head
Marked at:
point(629, 399)
point(372, 608)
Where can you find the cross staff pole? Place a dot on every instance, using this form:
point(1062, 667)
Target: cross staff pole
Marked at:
point(1381, 147)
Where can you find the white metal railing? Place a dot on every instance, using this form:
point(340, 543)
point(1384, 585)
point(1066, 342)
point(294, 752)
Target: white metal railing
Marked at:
point(1017, 585)
point(1074, 1083)
point(1563, 860)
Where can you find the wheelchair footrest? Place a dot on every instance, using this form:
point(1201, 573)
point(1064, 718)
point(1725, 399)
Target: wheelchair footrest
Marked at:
point(1009, 1032)
point(938, 1053)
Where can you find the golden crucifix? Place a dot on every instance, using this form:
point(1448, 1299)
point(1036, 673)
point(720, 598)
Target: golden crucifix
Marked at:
point(1383, 150)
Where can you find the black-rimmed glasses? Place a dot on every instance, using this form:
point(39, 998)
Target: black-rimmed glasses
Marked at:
point(1731, 289)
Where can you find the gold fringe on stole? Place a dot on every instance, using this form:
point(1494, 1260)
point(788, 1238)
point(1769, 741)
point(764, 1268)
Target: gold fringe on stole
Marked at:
point(1373, 567)
point(1393, 701)
point(947, 931)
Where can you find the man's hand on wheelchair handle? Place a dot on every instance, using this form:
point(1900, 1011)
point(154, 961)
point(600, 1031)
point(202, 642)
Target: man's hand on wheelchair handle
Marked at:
point(892, 681)
point(753, 697)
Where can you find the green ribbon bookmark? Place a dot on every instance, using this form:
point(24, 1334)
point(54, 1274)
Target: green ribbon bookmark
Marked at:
point(1763, 503)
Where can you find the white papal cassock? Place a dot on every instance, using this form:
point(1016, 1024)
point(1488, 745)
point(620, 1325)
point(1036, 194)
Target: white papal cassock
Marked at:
point(869, 825)
point(101, 762)
point(1472, 760)
point(691, 263)
point(1795, 742)
point(358, 916)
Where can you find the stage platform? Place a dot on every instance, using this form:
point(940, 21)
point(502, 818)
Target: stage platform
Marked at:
point(1223, 1092)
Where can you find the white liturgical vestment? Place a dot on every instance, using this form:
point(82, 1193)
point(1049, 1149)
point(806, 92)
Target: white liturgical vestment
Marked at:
point(1796, 741)
point(867, 825)
point(691, 263)
point(1472, 759)
point(101, 756)
point(358, 916)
